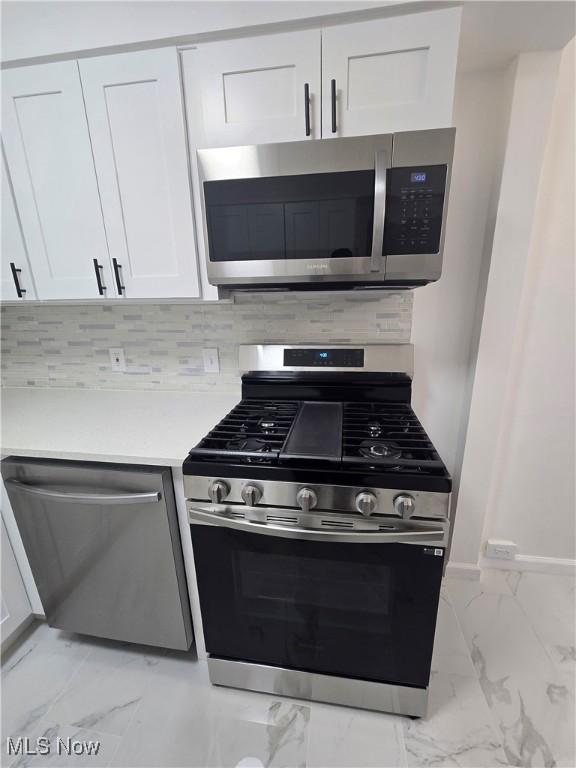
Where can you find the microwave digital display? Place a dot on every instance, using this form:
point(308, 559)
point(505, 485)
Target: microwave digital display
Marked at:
point(419, 176)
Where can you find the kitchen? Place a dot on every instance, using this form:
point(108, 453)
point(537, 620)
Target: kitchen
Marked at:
point(135, 139)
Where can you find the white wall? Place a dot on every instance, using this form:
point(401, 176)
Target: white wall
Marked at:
point(447, 314)
point(533, 499)
point(496, 384)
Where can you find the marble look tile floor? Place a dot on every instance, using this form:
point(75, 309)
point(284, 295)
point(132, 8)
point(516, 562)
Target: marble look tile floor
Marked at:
point(501, 693)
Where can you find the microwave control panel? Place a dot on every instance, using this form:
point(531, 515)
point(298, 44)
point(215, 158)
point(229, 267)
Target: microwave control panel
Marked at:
point(414, 206)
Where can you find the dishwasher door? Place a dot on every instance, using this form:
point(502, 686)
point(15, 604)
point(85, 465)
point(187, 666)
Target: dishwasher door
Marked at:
point(104, 548)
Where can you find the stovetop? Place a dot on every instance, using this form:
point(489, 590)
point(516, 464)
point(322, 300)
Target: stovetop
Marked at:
point(377, 442)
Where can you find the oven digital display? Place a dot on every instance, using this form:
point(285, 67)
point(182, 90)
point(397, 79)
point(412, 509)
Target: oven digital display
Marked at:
point(324, 358)
point(418, 176)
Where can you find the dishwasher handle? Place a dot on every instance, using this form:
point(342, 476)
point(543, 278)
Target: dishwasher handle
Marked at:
point(115, 499)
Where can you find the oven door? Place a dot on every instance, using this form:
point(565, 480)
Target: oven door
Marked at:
point(359, 605)
point(295, 213)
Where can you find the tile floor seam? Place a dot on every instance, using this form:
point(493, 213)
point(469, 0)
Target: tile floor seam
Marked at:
point(535, 631)
point(536, 634)
point(57, 698)
point(131, 719)
point(115, 752)
point(495, 721)
point(401, 737)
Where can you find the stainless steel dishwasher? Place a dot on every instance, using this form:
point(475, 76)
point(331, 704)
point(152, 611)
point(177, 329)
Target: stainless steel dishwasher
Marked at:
point(104, 548)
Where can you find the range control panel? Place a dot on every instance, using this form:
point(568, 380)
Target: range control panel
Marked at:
point(324, 358)
point(414, 206)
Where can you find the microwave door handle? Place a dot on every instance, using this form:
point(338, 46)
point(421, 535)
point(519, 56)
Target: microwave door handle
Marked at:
point(380, 166)
point(207, 515)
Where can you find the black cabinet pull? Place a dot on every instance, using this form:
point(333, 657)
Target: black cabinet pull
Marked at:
point(19, 290)
point(333, 95)
point(101, 286)
point(307, 107)
point(119, 285)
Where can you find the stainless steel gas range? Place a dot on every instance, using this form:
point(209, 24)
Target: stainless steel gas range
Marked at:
point(319, 516)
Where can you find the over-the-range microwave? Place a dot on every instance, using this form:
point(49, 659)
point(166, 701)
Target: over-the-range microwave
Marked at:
point(356, 212)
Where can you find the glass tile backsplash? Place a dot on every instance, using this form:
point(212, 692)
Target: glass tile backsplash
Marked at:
point(68, 346)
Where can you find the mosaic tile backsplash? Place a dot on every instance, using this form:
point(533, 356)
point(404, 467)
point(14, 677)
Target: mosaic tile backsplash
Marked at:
point(68, 346)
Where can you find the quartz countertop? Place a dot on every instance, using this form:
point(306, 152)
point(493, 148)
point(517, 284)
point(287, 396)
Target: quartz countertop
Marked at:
point(132, 426)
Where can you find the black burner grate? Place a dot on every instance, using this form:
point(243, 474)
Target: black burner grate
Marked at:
point(387, 436)
point(375, 437)
point(254, 431)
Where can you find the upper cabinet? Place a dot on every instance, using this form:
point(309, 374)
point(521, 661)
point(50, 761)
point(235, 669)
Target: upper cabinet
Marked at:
point(380, 76)
point(255, 90)
point(16, 278)
point(136, 121)
point(50, 162)
point(394, 74)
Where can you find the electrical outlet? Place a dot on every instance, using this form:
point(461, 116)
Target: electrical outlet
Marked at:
point(117, 359)
point(501, 550)
point(211, 360)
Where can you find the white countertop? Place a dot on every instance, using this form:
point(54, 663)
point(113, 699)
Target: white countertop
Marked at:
point(143, 426)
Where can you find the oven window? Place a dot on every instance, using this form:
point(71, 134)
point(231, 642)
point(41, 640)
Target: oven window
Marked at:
point(291, 587)
point(354, 610)
point(309, 216)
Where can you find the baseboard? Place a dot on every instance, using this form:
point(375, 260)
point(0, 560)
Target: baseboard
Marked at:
point(8, 640)
point(463, 571)
point(554, 565)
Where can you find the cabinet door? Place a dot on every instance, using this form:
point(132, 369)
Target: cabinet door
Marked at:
point(50, 161)
point(136, 120)
point(394, 74)
point(15, 609)
point(254, 91)
point(16, 282)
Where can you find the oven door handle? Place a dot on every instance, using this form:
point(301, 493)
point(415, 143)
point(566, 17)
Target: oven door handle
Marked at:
point(423, 535)
point(380, 168)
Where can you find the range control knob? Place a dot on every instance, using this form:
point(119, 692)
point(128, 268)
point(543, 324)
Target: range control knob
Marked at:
point(218, 491)
point(306, 499)
point(251, 495)
point(404, 505)
point(366, 503)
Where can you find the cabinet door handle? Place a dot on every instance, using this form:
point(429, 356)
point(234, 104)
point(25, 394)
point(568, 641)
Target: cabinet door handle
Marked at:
point(333, 97)
point(19, 290)
point(101, 286)
point(307, 107)
point(117, 275)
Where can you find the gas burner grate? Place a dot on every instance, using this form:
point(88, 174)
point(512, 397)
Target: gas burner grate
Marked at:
point(387, 436)
point(254, 432)
point(376, 437)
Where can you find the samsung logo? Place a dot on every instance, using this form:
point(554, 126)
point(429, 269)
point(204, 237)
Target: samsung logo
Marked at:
point(319, 265)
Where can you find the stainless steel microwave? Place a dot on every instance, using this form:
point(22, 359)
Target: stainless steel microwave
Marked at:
point(366, 211)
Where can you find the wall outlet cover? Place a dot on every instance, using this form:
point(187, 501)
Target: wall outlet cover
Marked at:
point(211, 360)
point(117, 359)
point(501, 549)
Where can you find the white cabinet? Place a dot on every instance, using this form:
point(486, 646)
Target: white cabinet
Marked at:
point(15, 609)
point(16, 278)
point(255, 90)
point(136, 121)
point(393, 74)
point(50, 160)
point(379, 76)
